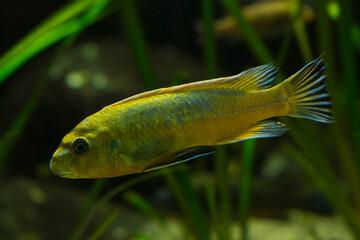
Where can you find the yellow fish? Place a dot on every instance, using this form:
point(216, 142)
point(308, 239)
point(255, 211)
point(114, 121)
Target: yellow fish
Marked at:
point(170, 125)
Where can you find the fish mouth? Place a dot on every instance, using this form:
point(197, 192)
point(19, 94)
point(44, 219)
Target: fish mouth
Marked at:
point(64, 173)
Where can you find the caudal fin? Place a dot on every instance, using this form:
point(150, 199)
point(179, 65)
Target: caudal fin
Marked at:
point(307, 94)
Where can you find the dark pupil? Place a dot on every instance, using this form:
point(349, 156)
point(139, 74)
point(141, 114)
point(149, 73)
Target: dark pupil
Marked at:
point(80, 145)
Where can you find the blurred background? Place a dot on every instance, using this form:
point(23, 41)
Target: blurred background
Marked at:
point(63, 61)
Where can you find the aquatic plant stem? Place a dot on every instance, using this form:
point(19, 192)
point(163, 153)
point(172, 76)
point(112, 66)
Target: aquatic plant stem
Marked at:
point(39, 39)
point(245, 186)
point(221, 162)
point(300, 31)
point(9, 139)
point(332, 192)
point(180, 185)
point(132, 27)
point(326, 44)
point(11, 136)
point(210, 191)
point(221, 166)
point(209, 39)
point(189, 203)
point(284, 48)
point(78, 232)
point(143, 205)
point(258, 48)
point(140, 236)
point(90, 201)
point(63, 23)
point(347, 95)
point(348, 62)
point(105, 224)
point(324, 35)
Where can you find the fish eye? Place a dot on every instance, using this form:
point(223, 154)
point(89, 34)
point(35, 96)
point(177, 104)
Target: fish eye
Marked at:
point(80, 145)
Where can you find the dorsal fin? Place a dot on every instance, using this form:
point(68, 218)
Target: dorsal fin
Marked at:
point(253, 79)
point(256, 78)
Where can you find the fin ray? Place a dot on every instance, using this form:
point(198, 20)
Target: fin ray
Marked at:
point(307, 93)
point(182, 156)
point(256, 78)
point(263, 129)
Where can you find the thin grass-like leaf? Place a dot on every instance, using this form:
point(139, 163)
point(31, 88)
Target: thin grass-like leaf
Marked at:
point(105, 224)
point(221, 166)
point(63, 23)
point(143, 205)
point(284, 48)
point(300, 31)
point(140, 236)
point(210, 191)
point(133, 30)
point(220, 158)
point(245, 186)
point(355, 36)
point(78, 232)
point(348, 61)
point(209, 40)
point(71, 28)
point(90, 201)
point(189, 203)
point(10, 137)
point(330, 190)
point(256, 45)
point(324, 36)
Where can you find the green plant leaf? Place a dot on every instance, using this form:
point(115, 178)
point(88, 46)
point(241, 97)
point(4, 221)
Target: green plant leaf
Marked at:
point(71, 19)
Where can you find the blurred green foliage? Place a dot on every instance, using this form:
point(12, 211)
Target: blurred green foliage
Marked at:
point(307, 148)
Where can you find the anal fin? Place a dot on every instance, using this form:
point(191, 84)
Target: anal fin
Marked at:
point(182, 156)
point(264, 129)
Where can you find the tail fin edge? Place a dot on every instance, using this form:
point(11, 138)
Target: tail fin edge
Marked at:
point(308, 97)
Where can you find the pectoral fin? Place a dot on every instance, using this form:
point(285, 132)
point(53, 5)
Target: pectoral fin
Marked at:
point(182, 156)
point(153, 148)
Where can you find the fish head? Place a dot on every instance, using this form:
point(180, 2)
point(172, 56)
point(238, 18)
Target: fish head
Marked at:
point(88, 151)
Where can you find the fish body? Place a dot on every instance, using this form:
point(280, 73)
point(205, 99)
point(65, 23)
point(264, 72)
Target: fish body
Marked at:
point(170, 125)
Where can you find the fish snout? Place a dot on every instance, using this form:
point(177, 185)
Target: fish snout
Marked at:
point(58, 170)
point(57, 163)
point(50, 166)
point(54, 165)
